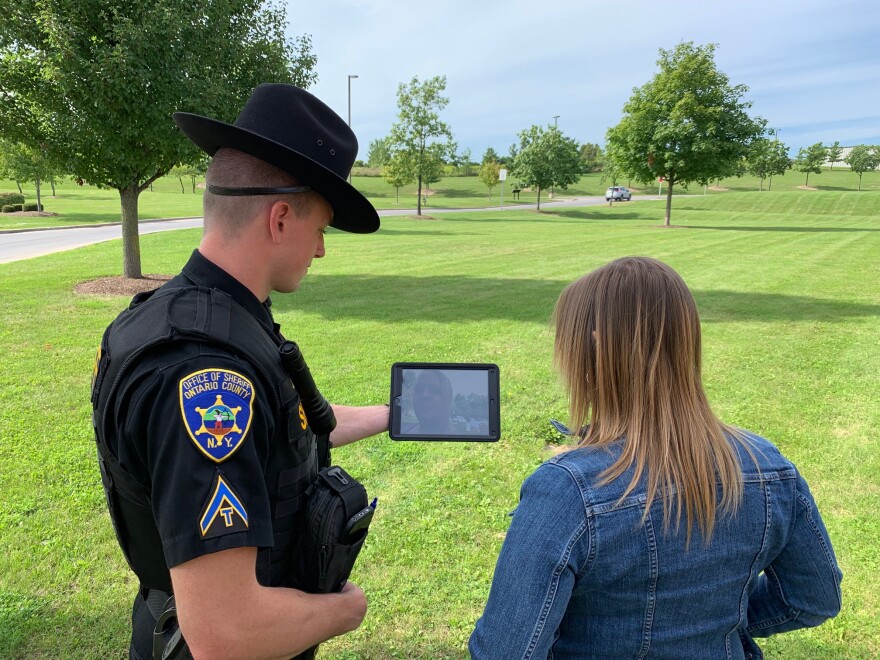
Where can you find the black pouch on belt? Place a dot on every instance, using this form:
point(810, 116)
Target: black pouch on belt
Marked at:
point(338, 515)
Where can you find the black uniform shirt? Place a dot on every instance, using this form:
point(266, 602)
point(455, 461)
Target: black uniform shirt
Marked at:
point(194, 429)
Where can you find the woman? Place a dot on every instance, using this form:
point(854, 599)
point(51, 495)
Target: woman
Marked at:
point(665, 533)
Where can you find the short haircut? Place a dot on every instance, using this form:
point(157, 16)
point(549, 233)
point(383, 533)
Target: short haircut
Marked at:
point(234, 168)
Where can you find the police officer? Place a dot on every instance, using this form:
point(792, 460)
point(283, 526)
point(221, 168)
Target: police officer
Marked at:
point(204, 444)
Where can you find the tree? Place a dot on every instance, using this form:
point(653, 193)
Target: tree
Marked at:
point(592, 157)
point(378, 153)
point(490, 174)
point(418, 129)
point(397, 172)
point(546, 158)
point(193, 172)
point(766, 158)
point(688, 124)
point(779, 161)
point(810, 159)
point(98, 81)
point(23, 163)
point(489, 156)
point(432, 167)
point(464, 162)
point(834, 152)
point(863, 158)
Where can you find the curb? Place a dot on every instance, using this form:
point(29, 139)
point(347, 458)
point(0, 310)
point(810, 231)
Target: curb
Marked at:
point(102, 224)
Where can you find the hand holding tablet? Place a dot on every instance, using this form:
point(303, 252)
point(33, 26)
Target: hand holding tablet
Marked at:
point(445, 401)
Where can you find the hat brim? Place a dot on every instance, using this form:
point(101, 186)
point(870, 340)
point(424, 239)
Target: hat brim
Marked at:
point(352, 211)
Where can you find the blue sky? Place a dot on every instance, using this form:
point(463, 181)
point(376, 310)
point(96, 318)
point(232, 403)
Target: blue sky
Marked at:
point(812, 67)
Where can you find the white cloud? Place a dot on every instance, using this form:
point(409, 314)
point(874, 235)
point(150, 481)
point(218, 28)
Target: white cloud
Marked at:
point(510, 64)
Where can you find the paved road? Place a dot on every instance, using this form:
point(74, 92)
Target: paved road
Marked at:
point(34, 243)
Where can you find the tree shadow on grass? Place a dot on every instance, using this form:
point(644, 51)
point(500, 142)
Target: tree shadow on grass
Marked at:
point(456, 192)
point(805, 230)
point(417, 232)
point(548, 216)
point(454, 298)
point(593, 213)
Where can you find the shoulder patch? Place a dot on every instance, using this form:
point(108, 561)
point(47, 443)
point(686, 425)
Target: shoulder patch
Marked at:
point(217, 407)
point(224, 512)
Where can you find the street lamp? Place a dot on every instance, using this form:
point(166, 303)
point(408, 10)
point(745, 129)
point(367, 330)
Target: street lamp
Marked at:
point(349, 110)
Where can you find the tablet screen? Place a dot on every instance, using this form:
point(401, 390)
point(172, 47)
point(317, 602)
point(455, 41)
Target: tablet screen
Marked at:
point(444, 401)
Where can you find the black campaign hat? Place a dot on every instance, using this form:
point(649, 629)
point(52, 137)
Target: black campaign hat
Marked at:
point(289, 128)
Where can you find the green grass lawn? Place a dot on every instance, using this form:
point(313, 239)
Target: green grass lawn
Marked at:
point(786, 283)
point(82, 205)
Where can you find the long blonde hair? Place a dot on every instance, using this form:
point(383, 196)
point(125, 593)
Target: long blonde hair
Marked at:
point(628, 348)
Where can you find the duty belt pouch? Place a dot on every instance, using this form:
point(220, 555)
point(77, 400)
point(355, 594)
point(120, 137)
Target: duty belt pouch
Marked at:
point(337, 518)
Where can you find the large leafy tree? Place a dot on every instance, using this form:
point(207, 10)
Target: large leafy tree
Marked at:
point(810, 159)
point(546, 158)
point(688, 124)
point(863, 158)
point(419, 135)
point(96, 82)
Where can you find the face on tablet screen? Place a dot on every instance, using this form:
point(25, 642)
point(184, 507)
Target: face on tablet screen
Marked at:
point(444, 402)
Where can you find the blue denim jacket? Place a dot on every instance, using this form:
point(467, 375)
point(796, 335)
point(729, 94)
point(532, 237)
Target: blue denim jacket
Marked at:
point(580, 576)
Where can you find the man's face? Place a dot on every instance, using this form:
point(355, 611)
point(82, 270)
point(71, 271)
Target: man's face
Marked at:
point(431, 400)
point(303, 241)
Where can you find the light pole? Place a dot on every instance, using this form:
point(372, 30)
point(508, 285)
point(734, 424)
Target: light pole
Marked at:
point(350, 76)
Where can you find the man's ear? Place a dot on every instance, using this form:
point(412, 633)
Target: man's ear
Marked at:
point(280, 215)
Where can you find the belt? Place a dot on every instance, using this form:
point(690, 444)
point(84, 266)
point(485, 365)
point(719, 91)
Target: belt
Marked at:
point(155, 600)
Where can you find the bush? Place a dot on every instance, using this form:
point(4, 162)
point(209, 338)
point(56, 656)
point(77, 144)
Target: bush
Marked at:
point(11, 198)
point(6, 208)
point(366, 171)
point(33, 206)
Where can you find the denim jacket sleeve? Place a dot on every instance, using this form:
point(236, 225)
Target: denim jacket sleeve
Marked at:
point(801, 586)
point(546, 546)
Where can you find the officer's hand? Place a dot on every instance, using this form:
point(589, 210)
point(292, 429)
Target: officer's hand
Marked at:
point(353, 607)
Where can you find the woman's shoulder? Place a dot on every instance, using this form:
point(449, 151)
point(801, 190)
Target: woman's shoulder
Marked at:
point(588, 458)
point(759, 455)
point(581, 467)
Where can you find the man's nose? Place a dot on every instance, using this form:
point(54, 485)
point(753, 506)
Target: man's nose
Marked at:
point(319, 250)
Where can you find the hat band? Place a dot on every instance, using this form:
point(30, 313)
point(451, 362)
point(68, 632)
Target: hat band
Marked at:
point(245, 192)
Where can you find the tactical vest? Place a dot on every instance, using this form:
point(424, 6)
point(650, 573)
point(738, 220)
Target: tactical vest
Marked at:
point(186, 314)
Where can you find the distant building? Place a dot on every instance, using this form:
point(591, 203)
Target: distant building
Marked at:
point(844, 152)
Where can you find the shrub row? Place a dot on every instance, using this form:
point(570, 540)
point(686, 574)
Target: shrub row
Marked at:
point(12, 208)
point(11, 198)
